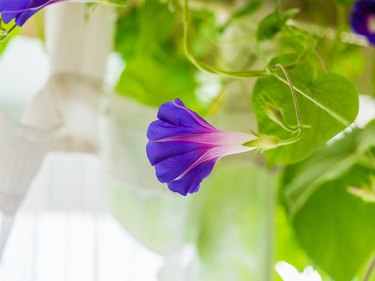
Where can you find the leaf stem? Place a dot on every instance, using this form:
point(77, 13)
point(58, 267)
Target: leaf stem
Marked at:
point(206, 67)
point(317, 103)
point(369, 270)
point(295, 101)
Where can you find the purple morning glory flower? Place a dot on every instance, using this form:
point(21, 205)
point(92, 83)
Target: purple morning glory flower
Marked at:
point(22, 10)
point(184, 148)
point(363, 19)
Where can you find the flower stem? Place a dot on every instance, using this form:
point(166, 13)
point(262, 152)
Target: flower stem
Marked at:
point(11, 29)
point(369, 270)
point(206, 67)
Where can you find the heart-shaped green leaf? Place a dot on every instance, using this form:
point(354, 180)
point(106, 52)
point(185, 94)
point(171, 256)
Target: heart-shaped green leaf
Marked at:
point(327, 104)
point(335, 227)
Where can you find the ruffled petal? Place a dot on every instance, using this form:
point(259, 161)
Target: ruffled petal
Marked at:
point(175, 113)
point(175, 166)
point(13, 5)
point(22, 10)
point(190, 183)
point(160, 151)
point(33, 7)
point(184, 148)
point(10, 9)
point(23, 17)
point(160, 129)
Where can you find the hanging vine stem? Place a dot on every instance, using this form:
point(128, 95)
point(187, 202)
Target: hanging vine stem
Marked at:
point(295, 101)
point(243, 74)
point(265, 142)
point(369, 270)
point(206, 67)
point(336, 116)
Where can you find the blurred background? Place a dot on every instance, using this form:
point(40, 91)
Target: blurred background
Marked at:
point(94, 210)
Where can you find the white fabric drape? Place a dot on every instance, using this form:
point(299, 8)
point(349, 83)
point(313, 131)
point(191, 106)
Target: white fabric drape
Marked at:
point(22, 150)
point(64, 114)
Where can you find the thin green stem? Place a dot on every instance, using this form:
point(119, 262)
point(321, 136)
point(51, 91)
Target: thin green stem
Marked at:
point(11, 29)
point(206, 67)
point(317, 103)
point(295, 101)
point(270, 142)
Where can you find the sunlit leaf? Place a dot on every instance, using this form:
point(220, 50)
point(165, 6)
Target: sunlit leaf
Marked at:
point(156, 69)
point(336, 226)
point(236, 224)
point(331, 223)
point(305, 178)
point(328, 104)
point(273, 23)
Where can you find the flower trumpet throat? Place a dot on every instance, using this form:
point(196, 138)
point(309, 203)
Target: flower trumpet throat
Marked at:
point(184, 148)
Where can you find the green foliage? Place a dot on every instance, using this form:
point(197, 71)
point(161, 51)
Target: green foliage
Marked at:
point(287, 247)
point(149, 41)
point(328, 104)
point(331, 223)
point(349, 62)
point(249, 8)
point(328, 164)
point(328, 193)
point(335, 226)
point(273, 23)
point(236, 223)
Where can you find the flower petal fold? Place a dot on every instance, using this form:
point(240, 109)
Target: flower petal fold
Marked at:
point(191, 181)
point(177, 114)
point(184, 148)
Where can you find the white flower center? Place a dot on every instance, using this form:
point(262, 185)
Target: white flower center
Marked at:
point(371, 23)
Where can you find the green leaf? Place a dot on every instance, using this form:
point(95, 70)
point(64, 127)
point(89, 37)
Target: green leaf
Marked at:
point(337, 230)
point(305, 178)
point(328, 104)
point(153, 82)
point(156, 69)
point(287, 246)
point(248, 9)
point(273, 23)
point(349, 62)
point(236, 223)
point(334, 226)
point(137, 34)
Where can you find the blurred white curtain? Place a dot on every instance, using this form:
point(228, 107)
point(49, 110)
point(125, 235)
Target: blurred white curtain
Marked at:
point(64, 114)
point(22, 150)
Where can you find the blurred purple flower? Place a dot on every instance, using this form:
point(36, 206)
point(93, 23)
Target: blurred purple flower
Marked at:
point(184, 148)
point(363, 19)
point(22, 10)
